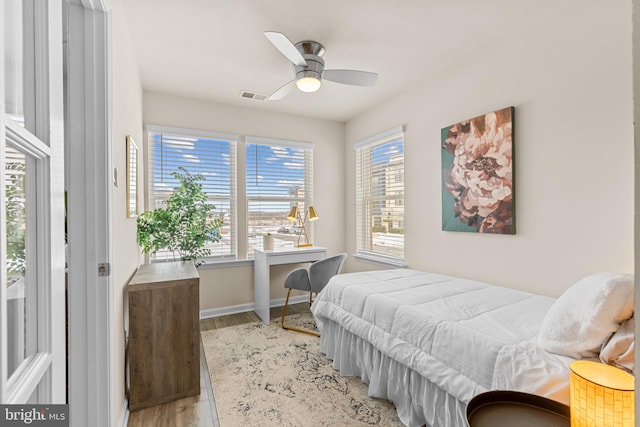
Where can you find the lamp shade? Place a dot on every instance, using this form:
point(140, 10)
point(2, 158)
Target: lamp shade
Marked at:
point(293, 214)
point(601, 395)
point(313, 215)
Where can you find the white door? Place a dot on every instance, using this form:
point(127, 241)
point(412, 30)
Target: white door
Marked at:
point(32, 286)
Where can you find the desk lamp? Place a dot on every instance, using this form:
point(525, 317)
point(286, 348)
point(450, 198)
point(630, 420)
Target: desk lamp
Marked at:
point(294, 216)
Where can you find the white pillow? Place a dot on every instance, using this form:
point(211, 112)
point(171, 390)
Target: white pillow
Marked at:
point(586, 315)
point(619, 350)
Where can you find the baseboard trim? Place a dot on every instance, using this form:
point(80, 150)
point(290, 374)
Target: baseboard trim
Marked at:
point(124, 414)
point(243, 308)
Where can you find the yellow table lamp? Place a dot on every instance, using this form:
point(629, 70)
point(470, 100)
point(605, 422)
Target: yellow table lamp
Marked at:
point(601, 395)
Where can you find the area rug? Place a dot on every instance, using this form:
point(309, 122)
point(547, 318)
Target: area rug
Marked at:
point(263, 375)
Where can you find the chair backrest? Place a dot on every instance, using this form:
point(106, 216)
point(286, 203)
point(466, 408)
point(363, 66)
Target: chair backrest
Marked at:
point(321, 271)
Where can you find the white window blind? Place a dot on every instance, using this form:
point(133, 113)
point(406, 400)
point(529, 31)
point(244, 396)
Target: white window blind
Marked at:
point(210, 154)
point(279, 175)
point(380, 196)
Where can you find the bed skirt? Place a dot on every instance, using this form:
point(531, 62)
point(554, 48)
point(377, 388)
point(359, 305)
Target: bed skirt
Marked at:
point(417, 400)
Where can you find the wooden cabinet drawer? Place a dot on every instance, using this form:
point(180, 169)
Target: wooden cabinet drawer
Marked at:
point(164, 334)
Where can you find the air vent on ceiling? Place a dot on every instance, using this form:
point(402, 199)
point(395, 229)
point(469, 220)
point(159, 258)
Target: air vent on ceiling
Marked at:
point(253, 95)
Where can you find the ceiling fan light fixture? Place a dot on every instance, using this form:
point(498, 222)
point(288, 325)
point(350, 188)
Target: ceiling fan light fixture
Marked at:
point(308, 63)
point(308, 84)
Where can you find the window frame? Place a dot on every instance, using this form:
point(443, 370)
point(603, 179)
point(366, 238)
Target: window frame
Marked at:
point(364, 219)
point(234, 141)
point(306, 200)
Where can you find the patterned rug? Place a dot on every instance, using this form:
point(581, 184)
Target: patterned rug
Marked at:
point(263, 375)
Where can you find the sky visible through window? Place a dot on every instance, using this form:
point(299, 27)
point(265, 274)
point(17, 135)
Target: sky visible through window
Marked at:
point(274, 171)
point(271, 171)
point(387, 151)
point(210, 158)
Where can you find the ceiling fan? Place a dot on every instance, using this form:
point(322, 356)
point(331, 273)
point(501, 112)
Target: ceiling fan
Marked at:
point(309, 67)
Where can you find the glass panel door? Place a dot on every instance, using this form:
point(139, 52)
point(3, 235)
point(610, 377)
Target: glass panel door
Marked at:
point(21, 289)
point(32, 327)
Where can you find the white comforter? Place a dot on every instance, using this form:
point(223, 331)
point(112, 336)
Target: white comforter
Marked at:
point(466, 337)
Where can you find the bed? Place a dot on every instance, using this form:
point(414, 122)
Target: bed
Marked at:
point(430, 342)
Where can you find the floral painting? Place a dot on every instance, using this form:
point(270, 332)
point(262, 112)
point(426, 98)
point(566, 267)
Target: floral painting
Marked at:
point(477, 168)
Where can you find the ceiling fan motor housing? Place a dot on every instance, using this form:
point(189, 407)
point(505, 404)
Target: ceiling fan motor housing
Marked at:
point(314, 68)
point(312, 53)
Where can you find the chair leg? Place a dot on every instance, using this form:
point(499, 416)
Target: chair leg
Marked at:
point(291, 328)
point(284, 310)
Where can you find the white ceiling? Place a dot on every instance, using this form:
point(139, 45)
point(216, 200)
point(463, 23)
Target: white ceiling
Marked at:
point(214, 49)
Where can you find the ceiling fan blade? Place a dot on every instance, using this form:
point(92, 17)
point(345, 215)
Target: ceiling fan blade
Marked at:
point(351, 77)
point(282, 92)
point(284, 45)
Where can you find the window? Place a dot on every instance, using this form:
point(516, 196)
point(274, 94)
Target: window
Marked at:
point(209, 154)
point(279, 175)
point(380, 197)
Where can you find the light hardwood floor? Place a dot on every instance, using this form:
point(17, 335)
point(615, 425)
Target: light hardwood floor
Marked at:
point(200, 411)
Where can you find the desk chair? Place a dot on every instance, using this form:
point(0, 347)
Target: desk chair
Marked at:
point(312, 280)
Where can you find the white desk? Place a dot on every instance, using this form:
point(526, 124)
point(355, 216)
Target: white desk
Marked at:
point(262, 260)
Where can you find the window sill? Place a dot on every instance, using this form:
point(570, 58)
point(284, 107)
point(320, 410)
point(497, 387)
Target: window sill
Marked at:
point(213, 263)
point(381, 260)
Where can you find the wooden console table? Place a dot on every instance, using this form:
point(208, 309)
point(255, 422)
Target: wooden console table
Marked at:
point(164, 333)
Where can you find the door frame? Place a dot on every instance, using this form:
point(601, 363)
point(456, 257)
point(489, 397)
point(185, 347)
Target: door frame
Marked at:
point(89, 199)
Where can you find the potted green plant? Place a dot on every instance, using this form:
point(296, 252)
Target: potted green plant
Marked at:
point(185, 226)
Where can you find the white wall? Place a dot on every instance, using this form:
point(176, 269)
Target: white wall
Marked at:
point(569, 78)
point(127, 120)
point(230, 286)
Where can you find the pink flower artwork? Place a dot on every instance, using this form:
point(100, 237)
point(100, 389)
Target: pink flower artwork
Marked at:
point(477, 167)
